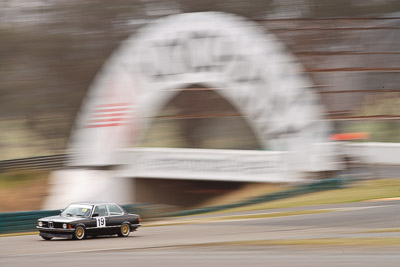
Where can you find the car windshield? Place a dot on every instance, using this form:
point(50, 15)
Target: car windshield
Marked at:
point(76, 210)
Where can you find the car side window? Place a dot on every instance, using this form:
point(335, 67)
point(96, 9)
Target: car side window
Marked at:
point(114, 210)
point(101, 210)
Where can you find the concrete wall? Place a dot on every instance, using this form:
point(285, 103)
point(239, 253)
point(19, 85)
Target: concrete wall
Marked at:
point(374, 153)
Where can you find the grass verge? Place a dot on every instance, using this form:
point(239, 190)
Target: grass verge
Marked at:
point(19, 234)
point(17, 178)
point(22, 190)
point(272, 215)
point(238, 217)
point(387, 230)
point(312, 242)
point(360, 191)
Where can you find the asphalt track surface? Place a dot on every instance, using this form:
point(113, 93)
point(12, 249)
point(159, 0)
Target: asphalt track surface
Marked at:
point(217, 243)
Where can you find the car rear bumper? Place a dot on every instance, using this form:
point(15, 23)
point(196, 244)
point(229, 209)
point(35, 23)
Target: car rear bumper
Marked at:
point(135, 226)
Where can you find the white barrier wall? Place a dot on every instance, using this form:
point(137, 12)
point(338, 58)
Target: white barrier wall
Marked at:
point(222, 164)
point(374, 153)
point(206, 164)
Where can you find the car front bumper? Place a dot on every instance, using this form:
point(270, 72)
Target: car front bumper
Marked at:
point(55, 232)
point(63, 235)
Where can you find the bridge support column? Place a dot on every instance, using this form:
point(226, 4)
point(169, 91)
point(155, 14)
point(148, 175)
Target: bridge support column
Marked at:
point(74, 185)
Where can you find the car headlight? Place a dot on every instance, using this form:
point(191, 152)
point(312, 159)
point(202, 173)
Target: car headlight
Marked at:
point(65, 226)
point(40, 223)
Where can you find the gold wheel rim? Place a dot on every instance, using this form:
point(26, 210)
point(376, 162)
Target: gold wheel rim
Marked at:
point(125, 229)
point(79, 232)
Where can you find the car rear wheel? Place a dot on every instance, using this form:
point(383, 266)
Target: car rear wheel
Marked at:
point(125, 230)
point(46, 237)
point(79, 233)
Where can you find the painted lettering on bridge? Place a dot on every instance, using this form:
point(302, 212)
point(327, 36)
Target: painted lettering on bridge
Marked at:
point(198, 52)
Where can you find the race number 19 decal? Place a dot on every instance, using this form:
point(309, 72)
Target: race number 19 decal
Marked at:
point(101, 221)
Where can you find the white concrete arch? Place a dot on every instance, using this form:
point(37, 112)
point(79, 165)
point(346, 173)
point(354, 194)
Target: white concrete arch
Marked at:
point(253, 69)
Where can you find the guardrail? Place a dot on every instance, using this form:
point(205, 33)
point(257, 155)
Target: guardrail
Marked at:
point(22, 221)
point(42, 162)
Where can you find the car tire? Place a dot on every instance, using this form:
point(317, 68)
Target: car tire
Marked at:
point(46, 237)
point(79, 233)
point(125, 230)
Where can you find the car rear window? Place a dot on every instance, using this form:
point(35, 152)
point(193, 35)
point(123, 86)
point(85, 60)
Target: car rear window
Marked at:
point(114, 210)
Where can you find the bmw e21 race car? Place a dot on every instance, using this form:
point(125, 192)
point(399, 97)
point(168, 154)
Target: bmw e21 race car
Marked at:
point(80, 220)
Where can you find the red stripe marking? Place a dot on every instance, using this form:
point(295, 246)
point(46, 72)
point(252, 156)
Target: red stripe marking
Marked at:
point(113, 105)
point(106, 125)
point(107, 120)
point(110, 110)
point(110, 115)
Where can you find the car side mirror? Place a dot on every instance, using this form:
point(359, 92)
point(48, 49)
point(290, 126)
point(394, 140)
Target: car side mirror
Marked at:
point(95, 215)
point(61, 210)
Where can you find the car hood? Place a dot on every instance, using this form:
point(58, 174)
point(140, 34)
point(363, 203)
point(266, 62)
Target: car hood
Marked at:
point(59, 218)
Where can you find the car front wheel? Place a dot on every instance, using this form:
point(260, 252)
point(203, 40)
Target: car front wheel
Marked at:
point(125, 230)
point(46, 237)
point(79, 233)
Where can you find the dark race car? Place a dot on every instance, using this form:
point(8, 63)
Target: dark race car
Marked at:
point(80, 220)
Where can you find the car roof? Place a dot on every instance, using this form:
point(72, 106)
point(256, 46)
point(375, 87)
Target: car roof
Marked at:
point(93, 203)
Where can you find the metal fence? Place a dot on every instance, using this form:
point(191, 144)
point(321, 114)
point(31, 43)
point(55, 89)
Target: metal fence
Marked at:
point(43, 162)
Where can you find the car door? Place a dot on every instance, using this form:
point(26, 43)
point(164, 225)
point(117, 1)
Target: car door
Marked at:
point(102, 222)
point(115, 217)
